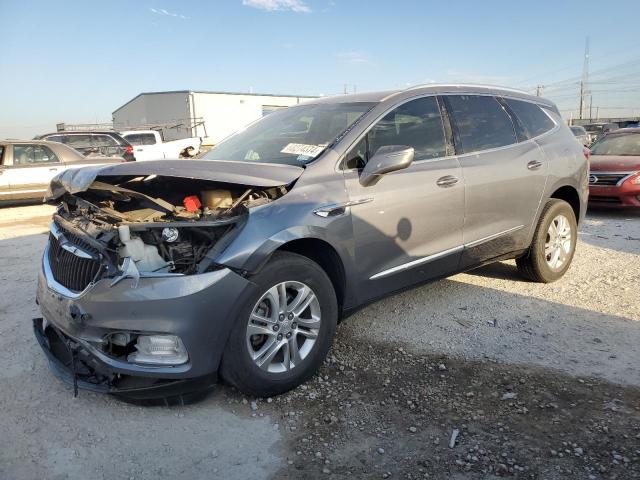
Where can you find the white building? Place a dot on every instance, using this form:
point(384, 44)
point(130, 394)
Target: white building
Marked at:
point(187, 113)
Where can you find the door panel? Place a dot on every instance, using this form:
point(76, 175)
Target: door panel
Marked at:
point(504, 179)
point(4, 180)
point(34, 166)
point(408, 226)
point(502, 197)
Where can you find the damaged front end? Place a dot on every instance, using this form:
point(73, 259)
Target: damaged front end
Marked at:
point(133, 302)
point(146, 226)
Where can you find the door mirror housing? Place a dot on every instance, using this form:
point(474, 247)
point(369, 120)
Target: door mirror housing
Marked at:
point(386, 160)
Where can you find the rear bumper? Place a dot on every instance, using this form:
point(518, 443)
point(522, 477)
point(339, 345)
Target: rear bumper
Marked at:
point(200, 309)
point(626, 195)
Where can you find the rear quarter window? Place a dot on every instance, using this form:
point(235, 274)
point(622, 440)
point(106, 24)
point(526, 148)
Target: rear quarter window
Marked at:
point(78, 141)
point(140, 138)
point(481, 122)
point(531, 117)
point(103, 141)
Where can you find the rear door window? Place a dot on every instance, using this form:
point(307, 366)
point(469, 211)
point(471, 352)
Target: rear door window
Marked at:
point(481, 122)
point(103, 141)
point(533, 120)
point(57, 138)
point(78, 141)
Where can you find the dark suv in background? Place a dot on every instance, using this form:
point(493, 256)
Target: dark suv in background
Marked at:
point(94, 143)
point(159, 275)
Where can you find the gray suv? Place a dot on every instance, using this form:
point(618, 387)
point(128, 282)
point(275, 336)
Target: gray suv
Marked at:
point(158, 276)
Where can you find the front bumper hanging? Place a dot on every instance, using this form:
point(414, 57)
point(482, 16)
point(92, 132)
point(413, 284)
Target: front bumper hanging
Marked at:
point(76, 366)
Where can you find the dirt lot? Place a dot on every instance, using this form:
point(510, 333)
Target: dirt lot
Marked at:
point(539, 381)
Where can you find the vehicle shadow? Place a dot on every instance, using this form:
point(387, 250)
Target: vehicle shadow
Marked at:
point(499, 270)
point(454, 317)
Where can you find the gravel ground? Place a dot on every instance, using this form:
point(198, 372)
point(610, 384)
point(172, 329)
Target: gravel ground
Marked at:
point(540, 380)
point(587, 323)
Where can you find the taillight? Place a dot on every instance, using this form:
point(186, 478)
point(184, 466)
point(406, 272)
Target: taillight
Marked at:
point(128, 149)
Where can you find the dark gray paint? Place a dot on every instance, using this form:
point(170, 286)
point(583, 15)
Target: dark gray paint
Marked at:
point(254, 174)
point(406, 228)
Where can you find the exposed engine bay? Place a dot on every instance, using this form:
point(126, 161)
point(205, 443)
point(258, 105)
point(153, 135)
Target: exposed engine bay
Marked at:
point(156, 224)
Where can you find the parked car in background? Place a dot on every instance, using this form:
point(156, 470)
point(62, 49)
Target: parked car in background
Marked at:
point(27, 167)
point(614, 178)
point(101, 143)
point(241, 264)
point(150, 145)
point(581, 134)
point(595, 130)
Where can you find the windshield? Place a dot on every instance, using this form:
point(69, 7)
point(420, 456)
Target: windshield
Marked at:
point(628, 144)
point(294, 136)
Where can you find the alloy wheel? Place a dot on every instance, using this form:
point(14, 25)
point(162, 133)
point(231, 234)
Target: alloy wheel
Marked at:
point(283, 327)
point(557, 247)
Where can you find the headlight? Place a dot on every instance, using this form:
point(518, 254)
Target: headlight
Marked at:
point(159, 350)
point(635, 179)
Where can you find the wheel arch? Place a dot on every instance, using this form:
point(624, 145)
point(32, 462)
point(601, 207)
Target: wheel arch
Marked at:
point(570, 195)
point(326, 256)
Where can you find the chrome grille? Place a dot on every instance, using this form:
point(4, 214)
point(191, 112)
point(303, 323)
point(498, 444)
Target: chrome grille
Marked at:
point(606, 178)
point(73, 271)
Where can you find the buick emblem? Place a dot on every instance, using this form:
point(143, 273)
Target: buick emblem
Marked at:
point(593, 179)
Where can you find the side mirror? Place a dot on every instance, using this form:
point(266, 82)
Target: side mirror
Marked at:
point(387, 159)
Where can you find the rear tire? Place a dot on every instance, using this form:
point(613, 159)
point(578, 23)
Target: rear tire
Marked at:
point(276, 344)
point(553, 244)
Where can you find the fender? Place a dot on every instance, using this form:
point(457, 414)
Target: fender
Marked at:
point(252, 262)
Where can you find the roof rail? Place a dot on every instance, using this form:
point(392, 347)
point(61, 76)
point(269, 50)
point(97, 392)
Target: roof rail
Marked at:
point(477, 85)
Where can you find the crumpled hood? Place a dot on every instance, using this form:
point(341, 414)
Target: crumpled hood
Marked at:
point(242, 173)
point(614, 163)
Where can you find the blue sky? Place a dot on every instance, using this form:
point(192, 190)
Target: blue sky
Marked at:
point(77, 61)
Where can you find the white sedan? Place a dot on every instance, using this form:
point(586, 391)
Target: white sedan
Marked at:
point(27, 166)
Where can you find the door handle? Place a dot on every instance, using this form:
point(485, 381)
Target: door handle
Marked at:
point(447, 181)
point(534, 165)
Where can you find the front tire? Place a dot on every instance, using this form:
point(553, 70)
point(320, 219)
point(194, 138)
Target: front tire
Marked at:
point(553, 244)
point(284, 331)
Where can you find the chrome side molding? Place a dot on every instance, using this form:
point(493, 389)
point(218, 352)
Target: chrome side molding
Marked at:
point(339, 208)
point(406, 266)
point(444, 253)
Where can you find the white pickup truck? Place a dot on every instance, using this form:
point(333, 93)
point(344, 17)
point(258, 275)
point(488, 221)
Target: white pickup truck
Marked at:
point(150, 145)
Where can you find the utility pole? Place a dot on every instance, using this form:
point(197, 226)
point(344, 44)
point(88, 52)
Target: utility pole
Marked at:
point(539, 90)
point(590, 106)
point(584, 83)
point(345, 88)
point(581, 99)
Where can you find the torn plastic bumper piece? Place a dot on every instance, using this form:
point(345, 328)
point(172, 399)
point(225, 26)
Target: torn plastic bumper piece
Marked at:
point(77, 366)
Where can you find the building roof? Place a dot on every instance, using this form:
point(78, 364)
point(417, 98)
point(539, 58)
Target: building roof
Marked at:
point(213, 93)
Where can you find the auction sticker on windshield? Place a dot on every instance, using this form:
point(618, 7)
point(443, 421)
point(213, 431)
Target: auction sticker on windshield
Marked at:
point(302, 149)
